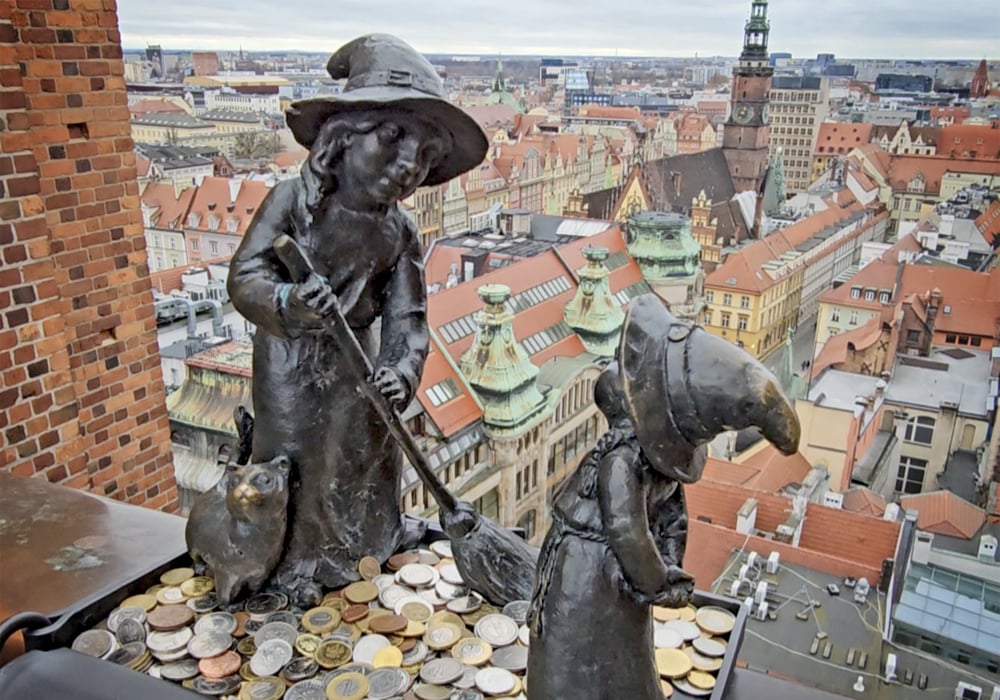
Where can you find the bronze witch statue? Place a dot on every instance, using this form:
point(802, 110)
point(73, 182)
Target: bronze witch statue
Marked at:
point(388, 132)
point(619, 523)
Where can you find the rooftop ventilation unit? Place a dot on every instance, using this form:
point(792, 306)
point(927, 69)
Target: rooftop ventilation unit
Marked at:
point(761, 613)
point(744, 571)
point(890, 668)
point(773, 559)
point(761, 593)
point(751, 559)
point(965, 691)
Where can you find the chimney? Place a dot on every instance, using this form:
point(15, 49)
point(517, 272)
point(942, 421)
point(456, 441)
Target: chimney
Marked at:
point(988, 548)
point(593, 313)
point(746, 517)
point(758, 216)
point(933, 304)
point(922, 547)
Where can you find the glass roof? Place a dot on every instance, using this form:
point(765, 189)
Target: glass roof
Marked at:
point(956, 606)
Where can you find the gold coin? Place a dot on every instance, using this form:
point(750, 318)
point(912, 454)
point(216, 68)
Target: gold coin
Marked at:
point(321, 620)
point(387, 656)
point(413, 629)
point(347, 686)
point(263, 688)
point(198, 586)
point(153, 590)
point(369, 568)
point(672, 663)
point(418, 611)
point(687, 614)
point(700, 662)
point(333, 653)
point(445, 617)
point(425, 691)
point(661, 614)
point(472, 651)
point(176, 577)
point(307, 644)
point(335, 602)
point(667, 689)
point(715, 620)
point(701, 680)
point(145, 601)
point(170, 595)
point(246, 674)
point(247, 646)
point(361, 592)
point(443, 636)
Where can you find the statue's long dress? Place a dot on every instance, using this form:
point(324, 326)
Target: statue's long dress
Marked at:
point(345, 479)
point(591, 638)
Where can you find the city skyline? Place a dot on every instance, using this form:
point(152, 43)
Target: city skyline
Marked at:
point(848, 28)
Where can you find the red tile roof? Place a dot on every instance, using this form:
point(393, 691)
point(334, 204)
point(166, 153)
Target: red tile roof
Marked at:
point(980, 141)
point(169, 280)
point(839, 137)
point(972, 298)
point(904, 169)
point(835, 349)
point(834, 541)
point(492, 116)
point(944, 513)
point(988, 223)
point(169, 208)
point(155, 106)
point(864, 501)
point(603, 112)
point(142, 165)
point(290, 159)
point(214, 198)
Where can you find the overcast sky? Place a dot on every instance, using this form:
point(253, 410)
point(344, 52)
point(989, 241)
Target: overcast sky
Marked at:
point(848, 28)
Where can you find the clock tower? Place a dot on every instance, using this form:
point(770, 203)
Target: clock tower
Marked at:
point(746, 134)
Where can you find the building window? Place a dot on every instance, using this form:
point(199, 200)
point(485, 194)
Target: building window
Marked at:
point(710, 296)
point(951, 338)
point(835, 316)
point(919, 429)
point(489, 505)
point(708, 318)
point(727, 299)
point(741, 323)
point(855, 292)
point(883, 297)
point(725, 321)
point(853, 318)
point(528, 524)
point(869, 295)
point(912, 337)
point(214, 247)
point(744, 302)
point(910, 477)
point(194, 245)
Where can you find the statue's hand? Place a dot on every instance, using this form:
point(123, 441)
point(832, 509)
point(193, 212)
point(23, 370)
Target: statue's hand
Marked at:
point(391, 386)
point(308, 304)
point(679, 591)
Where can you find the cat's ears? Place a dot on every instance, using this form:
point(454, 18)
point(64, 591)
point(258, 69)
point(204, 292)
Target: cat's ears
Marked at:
point(282, 464)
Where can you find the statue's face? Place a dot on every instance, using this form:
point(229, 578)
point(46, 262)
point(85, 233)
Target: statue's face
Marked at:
point(389, 163)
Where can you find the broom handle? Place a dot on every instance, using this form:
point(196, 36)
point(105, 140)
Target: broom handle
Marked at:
point(300, 269)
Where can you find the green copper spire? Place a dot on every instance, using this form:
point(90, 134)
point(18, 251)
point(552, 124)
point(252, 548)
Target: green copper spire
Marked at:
point(775, 193)
point(593, 313)
point(663, 246)
point(755, 32)
point(499, 83)
point(497, 368)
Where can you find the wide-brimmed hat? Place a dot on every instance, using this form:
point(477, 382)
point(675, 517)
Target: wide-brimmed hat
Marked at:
point(381, 71)
point(683, 386)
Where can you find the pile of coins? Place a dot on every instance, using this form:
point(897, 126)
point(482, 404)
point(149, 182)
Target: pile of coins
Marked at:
point(690, 645)
point(413, 631)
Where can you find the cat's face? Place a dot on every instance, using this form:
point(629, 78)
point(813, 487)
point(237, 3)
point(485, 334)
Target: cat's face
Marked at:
point(254, 485)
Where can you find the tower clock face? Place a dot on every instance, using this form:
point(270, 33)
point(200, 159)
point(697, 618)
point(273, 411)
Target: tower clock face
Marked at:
point(743, 113)
point(765, 114)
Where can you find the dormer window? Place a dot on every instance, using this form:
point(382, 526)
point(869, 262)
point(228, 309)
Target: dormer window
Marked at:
point(855, 292)
point(869, 295)
point(213, 222)
point(193, 220)
point(883, 297)
point(232, 224)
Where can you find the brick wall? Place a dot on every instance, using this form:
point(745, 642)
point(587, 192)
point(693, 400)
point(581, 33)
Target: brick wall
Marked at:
point(81, 396)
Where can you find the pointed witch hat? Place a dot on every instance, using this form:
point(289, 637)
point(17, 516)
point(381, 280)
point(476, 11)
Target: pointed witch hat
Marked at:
point(384, 71)
point(683, 386)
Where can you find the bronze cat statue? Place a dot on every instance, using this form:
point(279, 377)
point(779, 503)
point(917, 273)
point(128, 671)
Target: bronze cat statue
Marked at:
point(238, 527)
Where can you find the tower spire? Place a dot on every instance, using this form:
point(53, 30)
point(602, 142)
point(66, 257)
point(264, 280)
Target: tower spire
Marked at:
point(755, 33)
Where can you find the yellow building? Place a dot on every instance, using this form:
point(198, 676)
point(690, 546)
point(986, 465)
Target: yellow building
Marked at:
point(168, 127)
point(753, 296)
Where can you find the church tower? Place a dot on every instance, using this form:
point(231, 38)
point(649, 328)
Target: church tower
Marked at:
point(747, 133)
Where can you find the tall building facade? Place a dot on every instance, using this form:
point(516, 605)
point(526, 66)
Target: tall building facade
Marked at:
point(798, 107)
point(747, 132)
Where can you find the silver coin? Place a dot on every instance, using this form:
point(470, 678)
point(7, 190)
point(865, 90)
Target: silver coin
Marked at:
point(306, 690)
point(709, 647)
point(179, 670)
point(466, 604)
point(216, 687)
point(442, 671)
point(263, 604)
point(466, 694)
point(666, 638)
point(682, 685)
point(383, 581)
point(449, 591)
point(96, 643)
point(390, 595)
point(130, 630)
point(687, 630)
point(133, 612)
point(126, 654)
point(517, 610)
point(468, 679)
point(442, 548)
point(168, 642)
point(417, 575)
point(271, 657)
point(209, 644)
point(384, 683)
point(223, 622)
point(276, 630)
point(300, 668)
point(364, 669)
point(365, 648)
point(498, 630)
point(431, 596)
point(169, 656)
point(451, 574)
point(510, 658)
point(524, 635)
point(283, 616)
point(495, 681)
point(415, 655)
point(204, 604)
